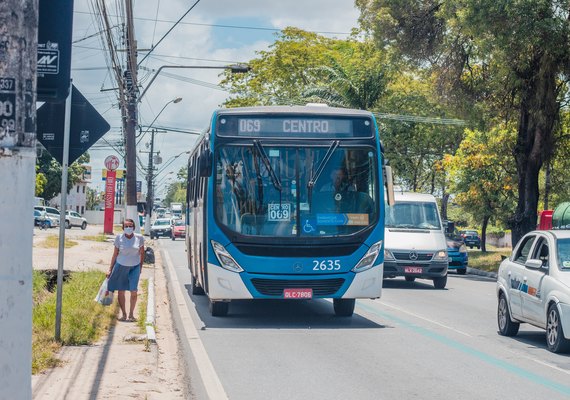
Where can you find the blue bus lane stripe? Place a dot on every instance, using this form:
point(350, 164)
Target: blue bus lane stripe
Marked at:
point(530, 376)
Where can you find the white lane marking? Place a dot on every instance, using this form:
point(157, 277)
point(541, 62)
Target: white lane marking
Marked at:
point(210, 378)
point(426, 319)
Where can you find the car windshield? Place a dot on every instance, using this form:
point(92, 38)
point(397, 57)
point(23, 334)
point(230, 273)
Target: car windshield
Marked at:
point(564, 253)
point(179, 223)
point(265, 191)
point(162, 222)
point(412, 215)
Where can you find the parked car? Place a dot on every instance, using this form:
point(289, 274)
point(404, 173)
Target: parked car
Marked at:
point(458, 257)
point(178, 229)
point(40, 219)
point(74, 219)
point(471, 238)
point(161, 227)
point(533, 286)
point(51, 213)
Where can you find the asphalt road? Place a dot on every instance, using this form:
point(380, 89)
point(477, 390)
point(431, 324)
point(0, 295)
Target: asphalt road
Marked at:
point(415, 342)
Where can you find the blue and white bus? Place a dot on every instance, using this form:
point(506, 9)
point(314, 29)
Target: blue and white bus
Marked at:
point(287, 203)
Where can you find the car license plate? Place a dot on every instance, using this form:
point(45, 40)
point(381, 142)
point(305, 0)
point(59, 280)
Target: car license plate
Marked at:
point(304, 293)
point(413, 270)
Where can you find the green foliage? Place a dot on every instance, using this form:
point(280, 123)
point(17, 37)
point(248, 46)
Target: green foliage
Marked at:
point(51, 170)
point(83, 322)
point(41, 182)
point(92, 198)
point(481, 176)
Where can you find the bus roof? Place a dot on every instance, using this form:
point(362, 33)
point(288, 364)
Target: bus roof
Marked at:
point(307, 110)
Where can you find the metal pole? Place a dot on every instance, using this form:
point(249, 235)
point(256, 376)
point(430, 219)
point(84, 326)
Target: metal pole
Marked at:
point(62, 208)
point(149, 191)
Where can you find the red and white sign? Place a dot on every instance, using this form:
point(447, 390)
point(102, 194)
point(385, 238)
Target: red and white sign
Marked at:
point(109, 201)
point(112, 163)
point(302, 293)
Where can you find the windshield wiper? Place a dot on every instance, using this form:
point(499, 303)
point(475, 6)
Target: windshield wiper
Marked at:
point(321, 167)
point(267, 163)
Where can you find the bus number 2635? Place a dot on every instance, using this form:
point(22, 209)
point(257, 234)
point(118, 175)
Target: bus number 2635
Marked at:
point(326, 265)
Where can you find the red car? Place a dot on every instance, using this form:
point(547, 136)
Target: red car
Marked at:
point(178, 229)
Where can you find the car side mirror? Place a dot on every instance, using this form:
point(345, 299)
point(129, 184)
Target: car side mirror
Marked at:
point(503, 257)
point(533, 264)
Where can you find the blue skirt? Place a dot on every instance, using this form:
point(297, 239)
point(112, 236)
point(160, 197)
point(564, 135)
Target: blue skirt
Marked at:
point(124, 278)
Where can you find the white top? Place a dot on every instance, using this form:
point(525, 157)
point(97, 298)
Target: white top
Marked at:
point(129, 249)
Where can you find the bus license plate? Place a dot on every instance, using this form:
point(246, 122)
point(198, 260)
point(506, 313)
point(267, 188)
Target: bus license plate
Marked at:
point(413, 270)
point(305, 293)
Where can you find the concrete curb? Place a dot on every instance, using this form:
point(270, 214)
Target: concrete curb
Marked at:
point(150, 311)
point(475, 271)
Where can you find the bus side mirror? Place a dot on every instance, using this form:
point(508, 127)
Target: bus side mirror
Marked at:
point(205, 163)
point(389, 183)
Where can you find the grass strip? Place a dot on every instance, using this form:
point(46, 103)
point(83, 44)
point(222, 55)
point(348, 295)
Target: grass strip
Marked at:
point(83, 320)
point(96, 238)
point(52, 242)
point(488, 261)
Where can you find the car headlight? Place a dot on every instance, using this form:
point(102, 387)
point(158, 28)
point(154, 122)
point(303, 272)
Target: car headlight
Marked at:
point(463, 249)
point(440, 256)
point(388, 255)
point(225, 258)
point(367, 261)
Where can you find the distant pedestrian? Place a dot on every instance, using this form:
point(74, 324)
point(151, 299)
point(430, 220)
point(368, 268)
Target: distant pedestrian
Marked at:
point(126, 267)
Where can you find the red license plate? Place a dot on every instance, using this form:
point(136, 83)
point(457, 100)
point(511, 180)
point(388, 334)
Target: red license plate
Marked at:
point(413, 270)
point(303, 293)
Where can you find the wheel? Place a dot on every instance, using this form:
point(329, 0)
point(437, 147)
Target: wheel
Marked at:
point(479, 247)
point(506, 326)
point(67, 225)
point(195, 289)
point(410, 278)
point(554, 334)
point(470, 247)
point(84, 225)
point(440, 282)
point(172, 237)
point(344, 307)
point(461, 271)
point(151, 236)
point(219, 308)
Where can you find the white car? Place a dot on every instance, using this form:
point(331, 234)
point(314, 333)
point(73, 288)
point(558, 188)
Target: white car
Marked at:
point(533, 286)
point(74, 219)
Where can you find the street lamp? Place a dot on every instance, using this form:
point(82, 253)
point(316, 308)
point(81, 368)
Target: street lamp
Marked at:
point(149, 191)
point(234, 68)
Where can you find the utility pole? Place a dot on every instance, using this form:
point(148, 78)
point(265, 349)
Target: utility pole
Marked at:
point(18, 60)
point(150, 189)
point(130, 122)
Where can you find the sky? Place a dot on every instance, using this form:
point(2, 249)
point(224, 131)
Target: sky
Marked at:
point(214, 33)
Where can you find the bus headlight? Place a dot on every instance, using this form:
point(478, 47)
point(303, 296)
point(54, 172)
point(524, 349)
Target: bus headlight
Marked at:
point(225, 258)
point(367, 261)
point(441, 256)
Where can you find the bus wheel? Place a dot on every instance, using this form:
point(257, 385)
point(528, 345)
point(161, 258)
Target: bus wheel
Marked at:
point(196, 290)
point(219, 308)
point(344, 307)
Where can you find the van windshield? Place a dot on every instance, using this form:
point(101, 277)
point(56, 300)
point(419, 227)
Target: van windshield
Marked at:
point(413, 215)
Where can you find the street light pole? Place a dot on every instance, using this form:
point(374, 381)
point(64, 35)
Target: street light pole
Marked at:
point(150, 171)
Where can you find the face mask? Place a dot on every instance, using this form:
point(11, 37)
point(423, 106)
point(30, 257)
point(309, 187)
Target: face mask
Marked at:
point(129, 230)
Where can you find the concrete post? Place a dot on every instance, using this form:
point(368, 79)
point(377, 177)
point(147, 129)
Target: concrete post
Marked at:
point(18, 57)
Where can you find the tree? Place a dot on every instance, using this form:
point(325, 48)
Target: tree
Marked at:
point(41, 182)
point(528, 39)
point(482, 177)
point(51, 170)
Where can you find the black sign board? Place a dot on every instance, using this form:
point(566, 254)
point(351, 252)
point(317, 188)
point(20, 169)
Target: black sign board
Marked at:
point(87, 126)
point(54, 49)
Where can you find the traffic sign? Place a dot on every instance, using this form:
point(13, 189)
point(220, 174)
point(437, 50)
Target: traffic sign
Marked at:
point(87, 126)
point(112, 162)
point(55, 25)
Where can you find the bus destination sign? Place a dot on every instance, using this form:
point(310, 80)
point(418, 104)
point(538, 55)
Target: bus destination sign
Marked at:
point(294, 126)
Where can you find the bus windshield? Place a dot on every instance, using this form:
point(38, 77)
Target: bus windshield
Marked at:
point(263, 189)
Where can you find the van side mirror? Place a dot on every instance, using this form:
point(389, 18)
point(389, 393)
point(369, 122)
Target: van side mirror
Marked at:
point(205, 163)
point(389, 183)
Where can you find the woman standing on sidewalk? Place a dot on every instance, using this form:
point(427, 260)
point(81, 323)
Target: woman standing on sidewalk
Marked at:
point(126, 267)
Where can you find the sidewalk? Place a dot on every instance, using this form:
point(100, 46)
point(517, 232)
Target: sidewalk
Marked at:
point(117, 367)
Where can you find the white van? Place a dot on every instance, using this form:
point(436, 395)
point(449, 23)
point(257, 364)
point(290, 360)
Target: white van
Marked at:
point(415, 243)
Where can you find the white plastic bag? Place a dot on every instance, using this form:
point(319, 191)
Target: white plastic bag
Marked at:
point(104, 297)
